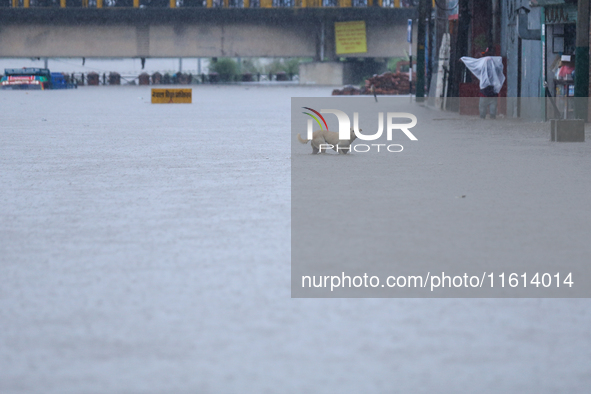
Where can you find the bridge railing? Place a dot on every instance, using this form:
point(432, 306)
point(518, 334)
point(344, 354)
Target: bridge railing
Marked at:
point(207, 3)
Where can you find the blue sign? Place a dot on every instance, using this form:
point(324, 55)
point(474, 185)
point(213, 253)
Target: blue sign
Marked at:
point(409, 31)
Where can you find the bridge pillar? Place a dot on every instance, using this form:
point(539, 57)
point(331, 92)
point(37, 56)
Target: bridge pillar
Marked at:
point(321, 73)
point(325, 46)
point(349, 72)
point(322, 41)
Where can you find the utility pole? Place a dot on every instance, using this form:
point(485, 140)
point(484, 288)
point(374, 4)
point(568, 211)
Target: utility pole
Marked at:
point(582, 61)
point(420, 88)
point(461, 49)
point(430, 45)
point(409, 39)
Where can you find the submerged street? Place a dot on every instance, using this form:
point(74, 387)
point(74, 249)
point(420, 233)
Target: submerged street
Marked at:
point(146, 248)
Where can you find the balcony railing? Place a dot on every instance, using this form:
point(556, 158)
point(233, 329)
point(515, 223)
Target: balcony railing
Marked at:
point(206, 3)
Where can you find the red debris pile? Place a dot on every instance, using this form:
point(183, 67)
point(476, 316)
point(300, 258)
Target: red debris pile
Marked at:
point(387, 83)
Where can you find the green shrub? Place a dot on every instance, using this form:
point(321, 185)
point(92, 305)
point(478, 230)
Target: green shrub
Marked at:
point(226, 68)
point(250, 66)
point(275, 66)
point(289, 66)
point(292, 65)
point(393, 62)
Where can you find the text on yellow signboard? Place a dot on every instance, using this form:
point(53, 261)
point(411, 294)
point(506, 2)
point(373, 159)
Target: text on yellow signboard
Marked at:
point(350, 37)
point(172, 96)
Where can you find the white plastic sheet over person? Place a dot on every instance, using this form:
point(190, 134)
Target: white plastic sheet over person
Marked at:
point(488, 69)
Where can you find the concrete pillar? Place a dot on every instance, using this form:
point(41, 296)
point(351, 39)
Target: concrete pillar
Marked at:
point(322, 73)
point(322, 41)
point(567, 130)
point(420, 88)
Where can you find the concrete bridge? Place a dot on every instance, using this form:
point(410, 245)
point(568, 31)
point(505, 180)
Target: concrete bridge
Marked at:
point(196, 32)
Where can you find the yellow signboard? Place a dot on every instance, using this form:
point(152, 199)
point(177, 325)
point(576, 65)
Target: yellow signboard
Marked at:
point(172, 96)
point(350, 37)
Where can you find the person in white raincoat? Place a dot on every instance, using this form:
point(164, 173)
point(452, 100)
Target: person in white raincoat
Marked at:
point(489, 70)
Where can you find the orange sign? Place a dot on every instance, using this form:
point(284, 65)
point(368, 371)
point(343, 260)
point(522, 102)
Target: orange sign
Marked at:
point(172, 96)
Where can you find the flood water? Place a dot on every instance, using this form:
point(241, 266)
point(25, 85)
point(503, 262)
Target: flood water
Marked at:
point(146, 249)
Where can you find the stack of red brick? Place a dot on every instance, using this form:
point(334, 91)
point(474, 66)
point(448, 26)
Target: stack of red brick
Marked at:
point(387, 83)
